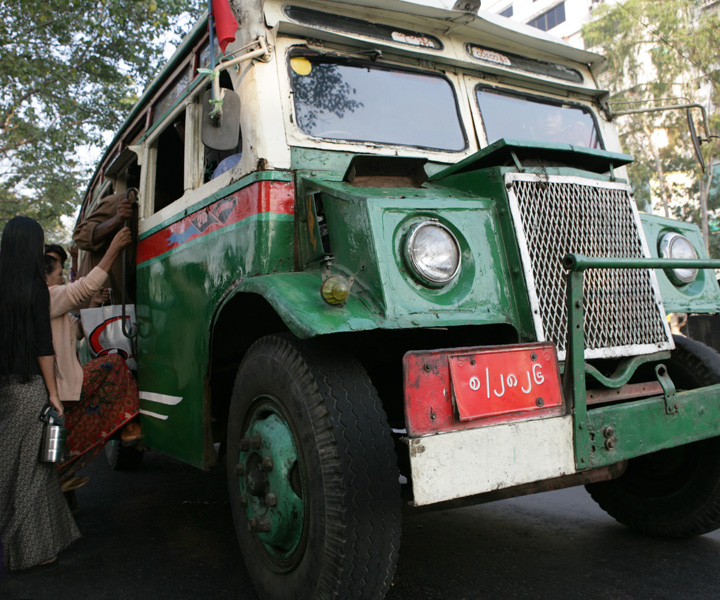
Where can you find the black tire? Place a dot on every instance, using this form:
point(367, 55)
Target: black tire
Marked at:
point(123, 458)
point(334, 531)
point(674, 492)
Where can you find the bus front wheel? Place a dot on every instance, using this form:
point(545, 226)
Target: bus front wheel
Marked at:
point(673, 492)
point(312, 474)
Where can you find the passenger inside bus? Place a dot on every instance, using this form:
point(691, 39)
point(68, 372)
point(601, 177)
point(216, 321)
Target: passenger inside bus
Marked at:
point(226, 163)
point(94, 233)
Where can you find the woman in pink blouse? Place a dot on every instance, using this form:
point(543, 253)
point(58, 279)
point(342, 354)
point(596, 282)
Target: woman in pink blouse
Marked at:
point(100, 397)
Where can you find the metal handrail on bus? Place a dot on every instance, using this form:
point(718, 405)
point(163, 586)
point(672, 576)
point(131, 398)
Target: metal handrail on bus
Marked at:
point(262, 52)
point(130, 331)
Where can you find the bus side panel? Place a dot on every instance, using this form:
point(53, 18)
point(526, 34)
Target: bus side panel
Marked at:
point(183, 271)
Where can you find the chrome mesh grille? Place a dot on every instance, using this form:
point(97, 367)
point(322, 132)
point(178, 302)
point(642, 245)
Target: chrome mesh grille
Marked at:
point(555, 216)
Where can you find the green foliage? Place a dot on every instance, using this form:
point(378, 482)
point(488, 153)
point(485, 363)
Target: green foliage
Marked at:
point(69, 71)
point(662, 52)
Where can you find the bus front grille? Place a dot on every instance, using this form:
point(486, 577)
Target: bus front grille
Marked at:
point(554, 216)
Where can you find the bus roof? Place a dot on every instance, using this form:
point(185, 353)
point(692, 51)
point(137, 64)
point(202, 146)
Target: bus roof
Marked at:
point(489, 24)
point(484, 22)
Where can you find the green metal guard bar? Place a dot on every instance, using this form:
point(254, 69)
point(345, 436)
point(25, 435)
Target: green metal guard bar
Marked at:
point(578, 262)
point(574, 382)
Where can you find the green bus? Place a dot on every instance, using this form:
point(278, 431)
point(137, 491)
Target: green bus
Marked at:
point(388, 257)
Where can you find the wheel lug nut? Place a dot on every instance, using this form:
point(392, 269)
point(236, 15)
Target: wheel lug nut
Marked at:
point(610, 443)
point(263, 525)
point(267, 463)
point(258, 525)
point(271, 499)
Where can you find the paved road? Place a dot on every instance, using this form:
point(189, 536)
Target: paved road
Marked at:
point(165, 532)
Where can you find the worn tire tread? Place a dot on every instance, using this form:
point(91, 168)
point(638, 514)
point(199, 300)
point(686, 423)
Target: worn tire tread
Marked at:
point(358, 464)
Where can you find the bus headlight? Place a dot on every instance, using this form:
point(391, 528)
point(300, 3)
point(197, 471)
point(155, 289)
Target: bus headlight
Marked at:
point(675, 245)
point(433, 253)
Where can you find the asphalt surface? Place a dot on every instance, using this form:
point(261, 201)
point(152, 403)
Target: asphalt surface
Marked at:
point(165, 532)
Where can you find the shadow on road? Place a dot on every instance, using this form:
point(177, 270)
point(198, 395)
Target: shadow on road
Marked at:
point(165, 532)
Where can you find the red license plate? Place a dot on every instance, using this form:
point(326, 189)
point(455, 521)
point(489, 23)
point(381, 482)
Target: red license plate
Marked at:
point(504, 381)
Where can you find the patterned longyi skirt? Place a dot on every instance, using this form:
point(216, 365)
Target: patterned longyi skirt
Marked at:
point(35, 521)
point(109, 401)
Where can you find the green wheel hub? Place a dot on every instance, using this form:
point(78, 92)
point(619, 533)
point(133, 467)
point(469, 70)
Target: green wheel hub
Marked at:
point(270, 480)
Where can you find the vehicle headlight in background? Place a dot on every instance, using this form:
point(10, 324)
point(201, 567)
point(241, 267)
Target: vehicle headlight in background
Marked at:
point(675, 245)
point(433, 253)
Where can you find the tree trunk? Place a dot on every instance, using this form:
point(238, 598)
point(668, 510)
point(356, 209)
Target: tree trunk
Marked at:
point(704, 194)
point(659, 167)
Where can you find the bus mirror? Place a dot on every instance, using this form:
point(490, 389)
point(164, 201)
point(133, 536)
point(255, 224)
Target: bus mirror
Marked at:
point(691, 124)
point(695, 140)
point(221, 132)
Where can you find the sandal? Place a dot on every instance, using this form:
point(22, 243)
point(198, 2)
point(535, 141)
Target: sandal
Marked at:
point(131, 433)
point(74, 483)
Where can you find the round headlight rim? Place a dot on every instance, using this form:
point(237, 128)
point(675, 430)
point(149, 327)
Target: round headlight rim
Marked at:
point(665, 250)
point(422, 277)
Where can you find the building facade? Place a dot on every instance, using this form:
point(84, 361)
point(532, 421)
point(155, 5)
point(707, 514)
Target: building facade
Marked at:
point(562, 18)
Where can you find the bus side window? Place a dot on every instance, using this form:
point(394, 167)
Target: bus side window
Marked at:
point(170, 164)
point(218, 162)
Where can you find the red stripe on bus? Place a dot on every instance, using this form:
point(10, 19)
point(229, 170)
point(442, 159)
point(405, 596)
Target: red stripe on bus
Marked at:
point(260, 197)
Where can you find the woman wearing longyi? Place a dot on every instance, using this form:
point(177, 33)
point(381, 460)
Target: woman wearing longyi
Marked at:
point(35, 522)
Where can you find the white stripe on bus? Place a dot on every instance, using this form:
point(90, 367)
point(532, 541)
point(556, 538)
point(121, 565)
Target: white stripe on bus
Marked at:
point(153, 414)
point(161, 398)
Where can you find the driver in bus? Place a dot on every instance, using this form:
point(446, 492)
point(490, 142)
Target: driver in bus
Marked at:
point(94, 233)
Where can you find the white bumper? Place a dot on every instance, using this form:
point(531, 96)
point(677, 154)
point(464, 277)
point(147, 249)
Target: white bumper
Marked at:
point(463, 463)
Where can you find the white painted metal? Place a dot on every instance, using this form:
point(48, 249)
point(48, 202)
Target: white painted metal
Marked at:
point(160, 398)
point(193, 167)
point(261, 53)
point(495, 30)
point(463, 463)
point(454, 40)
point(155, 415)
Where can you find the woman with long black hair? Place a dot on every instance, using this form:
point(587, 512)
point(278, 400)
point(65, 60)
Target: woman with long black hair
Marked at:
point(35, 521)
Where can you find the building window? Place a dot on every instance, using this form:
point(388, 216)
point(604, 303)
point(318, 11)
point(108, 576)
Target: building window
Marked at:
point(550, 19)
point(508, 12)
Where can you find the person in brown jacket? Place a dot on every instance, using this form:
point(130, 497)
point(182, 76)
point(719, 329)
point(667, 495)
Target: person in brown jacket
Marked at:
point(94, 233)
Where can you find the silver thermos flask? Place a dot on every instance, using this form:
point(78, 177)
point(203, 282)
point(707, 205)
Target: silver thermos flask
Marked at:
point(52, 446)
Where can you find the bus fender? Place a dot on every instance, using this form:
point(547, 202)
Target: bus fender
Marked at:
point(296, 299)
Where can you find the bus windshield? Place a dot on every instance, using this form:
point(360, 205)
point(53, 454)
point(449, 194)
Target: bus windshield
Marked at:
point(507, 115)
point(370, 104)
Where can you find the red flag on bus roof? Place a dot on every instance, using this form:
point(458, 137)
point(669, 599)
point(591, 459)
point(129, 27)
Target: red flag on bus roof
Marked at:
point(225, 23)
